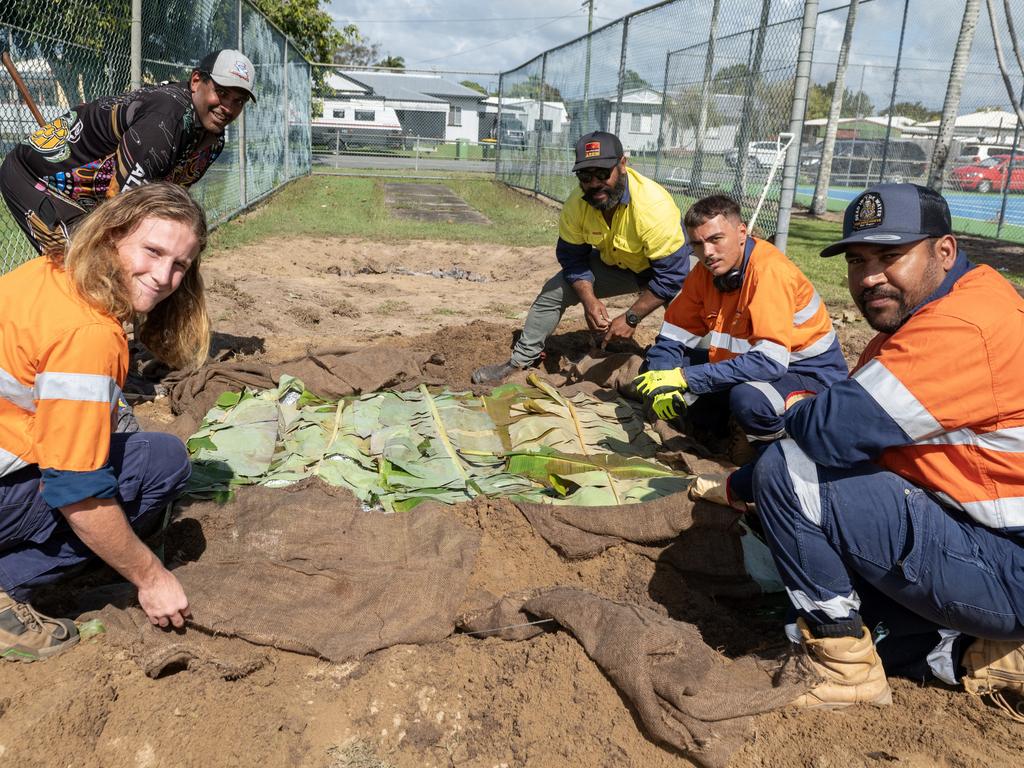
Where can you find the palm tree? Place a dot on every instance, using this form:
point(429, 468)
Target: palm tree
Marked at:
point(819, 204)
point(952, 103)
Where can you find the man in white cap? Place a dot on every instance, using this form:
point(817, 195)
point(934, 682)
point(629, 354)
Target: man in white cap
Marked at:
point(171, 132)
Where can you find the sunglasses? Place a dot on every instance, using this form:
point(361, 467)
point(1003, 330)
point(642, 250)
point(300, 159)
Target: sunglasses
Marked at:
point(589, 174)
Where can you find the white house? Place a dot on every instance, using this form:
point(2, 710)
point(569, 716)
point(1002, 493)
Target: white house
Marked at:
point(425, 106)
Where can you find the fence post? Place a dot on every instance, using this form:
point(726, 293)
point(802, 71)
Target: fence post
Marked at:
point(497, 127)
point(796, 122)
point(892, 98)
point(540, 124)
point(622, 76)
point(661, 117)
point(242, 192)
point(136, 45)
point(1009, 173)
point(287, 106)
point(755, 50)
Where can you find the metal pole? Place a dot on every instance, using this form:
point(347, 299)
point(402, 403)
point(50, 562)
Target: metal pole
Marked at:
point(136, 43)
point(796, 122)
point(1009, 173)
point(754, 53)
point(540, 125)
point(892, 99)
point(622, 75)
point(661, 117)
point(287, 110)
point(586, 72)
point(497, 128)
point(242, 192)
point(705, 97)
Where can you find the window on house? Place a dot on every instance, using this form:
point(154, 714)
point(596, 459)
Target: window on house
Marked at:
point(454, 115)
point(366, 115)
point(634, 123)
point(339, 114)
point(542, 125)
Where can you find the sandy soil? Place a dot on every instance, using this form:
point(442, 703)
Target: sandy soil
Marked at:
point(466, 701)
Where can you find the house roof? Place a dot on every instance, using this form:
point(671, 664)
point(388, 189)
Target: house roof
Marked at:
point(994, 119)
point(401, 87)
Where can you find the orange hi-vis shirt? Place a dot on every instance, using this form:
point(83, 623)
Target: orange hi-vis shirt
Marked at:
point(952, 378)
point(62, 366)
point(776, 312)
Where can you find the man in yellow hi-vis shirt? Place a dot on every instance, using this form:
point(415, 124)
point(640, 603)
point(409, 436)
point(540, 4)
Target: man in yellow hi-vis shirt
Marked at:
point(619, 233)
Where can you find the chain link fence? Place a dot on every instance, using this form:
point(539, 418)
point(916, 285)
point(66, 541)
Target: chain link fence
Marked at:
point(75, 51)
point(373, 120)
point(698, 92)
point(900, 58)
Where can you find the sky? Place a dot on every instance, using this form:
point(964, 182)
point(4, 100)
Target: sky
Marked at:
point(470, 36)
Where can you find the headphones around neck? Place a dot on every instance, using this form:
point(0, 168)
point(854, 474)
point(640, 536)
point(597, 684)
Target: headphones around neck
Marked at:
point(733, 279)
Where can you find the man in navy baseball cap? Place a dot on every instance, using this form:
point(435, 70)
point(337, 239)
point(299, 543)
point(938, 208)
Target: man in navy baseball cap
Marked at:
point(899, 244)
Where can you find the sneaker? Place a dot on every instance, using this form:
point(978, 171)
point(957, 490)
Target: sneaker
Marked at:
point(494, 374)
point(994, 667)
point(27, 635)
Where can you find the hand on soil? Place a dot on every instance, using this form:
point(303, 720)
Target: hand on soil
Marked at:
point(164, 601)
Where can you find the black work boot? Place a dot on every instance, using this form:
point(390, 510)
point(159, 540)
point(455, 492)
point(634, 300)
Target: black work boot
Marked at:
point(494, 374)
point(27, 635)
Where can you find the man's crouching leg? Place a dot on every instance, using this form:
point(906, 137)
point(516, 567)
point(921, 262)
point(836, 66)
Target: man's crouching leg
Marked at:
point(830, 631)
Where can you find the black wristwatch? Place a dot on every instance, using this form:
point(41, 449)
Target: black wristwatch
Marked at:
point(631, 318)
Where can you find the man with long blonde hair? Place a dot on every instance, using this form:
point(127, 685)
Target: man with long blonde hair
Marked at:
point(71, 489)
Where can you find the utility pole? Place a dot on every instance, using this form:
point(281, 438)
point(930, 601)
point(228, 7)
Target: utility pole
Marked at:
point(586, 72)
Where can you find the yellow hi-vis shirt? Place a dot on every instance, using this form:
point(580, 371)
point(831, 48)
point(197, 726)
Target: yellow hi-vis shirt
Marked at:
point(644, 230)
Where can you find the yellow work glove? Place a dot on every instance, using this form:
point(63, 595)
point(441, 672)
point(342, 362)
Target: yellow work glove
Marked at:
point(665, 390)
point(654, 383)
point(668, 405)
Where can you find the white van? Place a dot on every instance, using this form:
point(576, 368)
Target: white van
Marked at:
point(348, 124)
point(970, 154)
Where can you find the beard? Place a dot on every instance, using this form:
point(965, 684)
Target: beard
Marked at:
point(614, 195)
point(887, 320)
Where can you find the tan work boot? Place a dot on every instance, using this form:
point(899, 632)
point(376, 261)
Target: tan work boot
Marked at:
point(852, 670)
point(994, 666)
point(26, 635)
point(740, 450)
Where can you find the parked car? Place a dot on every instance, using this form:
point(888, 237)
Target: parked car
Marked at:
point(993, 173)
point(975, 153)
point(858, 162)
point(759, 153)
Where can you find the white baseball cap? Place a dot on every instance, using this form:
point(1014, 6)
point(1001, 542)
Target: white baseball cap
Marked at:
point(230, 68)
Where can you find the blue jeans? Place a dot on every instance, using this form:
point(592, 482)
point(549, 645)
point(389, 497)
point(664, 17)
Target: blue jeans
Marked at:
point(37, 545)
point(830, 529)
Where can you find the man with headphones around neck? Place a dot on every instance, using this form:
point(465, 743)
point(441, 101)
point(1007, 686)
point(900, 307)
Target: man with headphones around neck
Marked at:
point(746, 336)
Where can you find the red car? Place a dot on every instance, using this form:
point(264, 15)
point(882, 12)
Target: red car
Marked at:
point(991, 174)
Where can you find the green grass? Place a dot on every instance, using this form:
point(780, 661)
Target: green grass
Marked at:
point(807, 237)
point(349, 206)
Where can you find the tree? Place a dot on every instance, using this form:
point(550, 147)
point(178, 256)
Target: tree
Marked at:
point(821, 185)
point(530, 89)
point(819, 102)
point(951, 105)
point(391, 62)
point(355, 50)
point(475, 86)
point(731, 79)
point(1018, 106)
point(631, 80)
point(310, 28)
point(915, 110)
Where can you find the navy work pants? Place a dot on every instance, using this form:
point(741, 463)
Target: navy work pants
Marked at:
point(831, 529)
point(37, 545)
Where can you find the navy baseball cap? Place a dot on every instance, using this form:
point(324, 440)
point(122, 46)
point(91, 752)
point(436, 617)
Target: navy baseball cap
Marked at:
point(893, 213)
point(597, 150)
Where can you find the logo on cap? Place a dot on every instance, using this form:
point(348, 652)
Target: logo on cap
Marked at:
point(241, 70)
point(869, 211)
point(592, 149)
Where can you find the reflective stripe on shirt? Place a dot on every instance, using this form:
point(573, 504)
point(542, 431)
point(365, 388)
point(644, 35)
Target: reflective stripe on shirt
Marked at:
point(895, 399)
point(805, 314)
point(13, 390)
point(83, 387)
